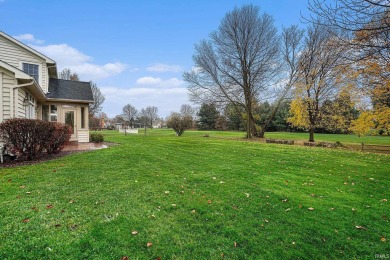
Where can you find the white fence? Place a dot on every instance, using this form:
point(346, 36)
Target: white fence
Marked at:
point(129, 131)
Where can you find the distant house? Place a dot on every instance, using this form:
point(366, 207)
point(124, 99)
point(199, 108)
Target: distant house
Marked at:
point(30, 88)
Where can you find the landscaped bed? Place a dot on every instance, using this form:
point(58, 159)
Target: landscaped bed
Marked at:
point(189, 197)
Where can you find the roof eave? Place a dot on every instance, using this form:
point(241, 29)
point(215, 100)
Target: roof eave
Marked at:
point(69, 100)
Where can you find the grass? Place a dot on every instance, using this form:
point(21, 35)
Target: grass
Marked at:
point(197, 198)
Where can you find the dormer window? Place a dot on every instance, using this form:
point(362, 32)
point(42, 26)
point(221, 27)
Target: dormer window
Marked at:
point(32, 70)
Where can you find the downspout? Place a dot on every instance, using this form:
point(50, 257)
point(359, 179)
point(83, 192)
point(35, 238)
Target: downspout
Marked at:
point(14, 97)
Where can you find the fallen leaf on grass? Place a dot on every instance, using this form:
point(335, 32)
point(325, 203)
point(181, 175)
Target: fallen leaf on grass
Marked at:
point(28, 192)
point(235, 244)
point(71, 201)
point(266, 220)
point(209, 201)
point(193, 211)
point(383, 239)
point(285, 200)
point(173, 205)
point(149, 244)
point(26, 220)
point(310, 209)
point(287, 209)
point(49, 206)
point(134, 232)
point(22, 187)
point(384, 200)
point(125, 258)
point(361, 227)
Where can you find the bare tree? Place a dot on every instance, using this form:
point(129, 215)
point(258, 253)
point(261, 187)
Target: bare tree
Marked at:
point(129, 113)
point(68, 75)
point(187, 110)
point(179, 122)
point(291, 49)
point(368, 20)
point(143, 117)
point(151, 112)
point(237, 64)
point(318, 71)
point(98, 98)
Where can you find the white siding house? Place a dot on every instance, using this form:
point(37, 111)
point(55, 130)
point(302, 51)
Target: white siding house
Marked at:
point(29, 88)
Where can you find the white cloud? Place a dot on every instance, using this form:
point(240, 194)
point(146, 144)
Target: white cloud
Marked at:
point(148, 81)
point(159, 67)
point(69, 57)
point(158, 82)
point(27, 37)
point(166, 99)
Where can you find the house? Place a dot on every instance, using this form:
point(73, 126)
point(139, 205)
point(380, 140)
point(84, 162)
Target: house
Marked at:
point(30, 88)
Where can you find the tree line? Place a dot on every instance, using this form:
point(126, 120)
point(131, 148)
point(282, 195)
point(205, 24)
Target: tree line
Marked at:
point(333, 75)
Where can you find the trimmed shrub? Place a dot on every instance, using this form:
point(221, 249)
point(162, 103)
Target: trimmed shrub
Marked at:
point(29, 138)
point(96, 138)
point(60, 135)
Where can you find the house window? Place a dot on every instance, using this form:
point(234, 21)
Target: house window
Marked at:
point(29, 103)
point(82, 117)
point(53, 113)
point(45, 112)
point(32, 70)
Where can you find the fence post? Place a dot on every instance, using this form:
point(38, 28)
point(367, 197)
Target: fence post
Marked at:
point(362, 147)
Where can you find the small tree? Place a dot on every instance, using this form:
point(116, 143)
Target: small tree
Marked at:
point(179, 123)
point(129, 114)
point(68, 75)
point(207, 116)
point(364, 124)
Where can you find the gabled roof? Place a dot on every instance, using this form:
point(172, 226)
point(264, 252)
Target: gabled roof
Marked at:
point(69, 90)
point(26, 47)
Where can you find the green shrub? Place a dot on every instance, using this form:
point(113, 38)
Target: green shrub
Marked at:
point(96, 138)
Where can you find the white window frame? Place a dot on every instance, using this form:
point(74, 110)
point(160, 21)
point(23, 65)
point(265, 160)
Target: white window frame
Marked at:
point(40, 72)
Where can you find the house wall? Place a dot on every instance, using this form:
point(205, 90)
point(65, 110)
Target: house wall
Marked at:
point(81, 134)
point(16, 55)
point(7, 81)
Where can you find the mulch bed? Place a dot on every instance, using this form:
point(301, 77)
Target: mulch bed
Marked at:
point(16, 162)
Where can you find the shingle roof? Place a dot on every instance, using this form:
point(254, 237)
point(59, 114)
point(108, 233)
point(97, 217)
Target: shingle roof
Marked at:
point(69, 90)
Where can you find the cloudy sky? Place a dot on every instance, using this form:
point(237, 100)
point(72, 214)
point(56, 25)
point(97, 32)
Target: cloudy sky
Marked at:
point(136, 51)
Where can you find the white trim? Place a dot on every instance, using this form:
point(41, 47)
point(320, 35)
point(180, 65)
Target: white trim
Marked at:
point(19, 74)
point(40, 71)
point(1, 98)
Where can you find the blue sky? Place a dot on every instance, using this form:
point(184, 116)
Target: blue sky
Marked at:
point(136, 51)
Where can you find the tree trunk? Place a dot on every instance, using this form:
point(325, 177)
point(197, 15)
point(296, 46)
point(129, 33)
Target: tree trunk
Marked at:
point(311, 138)
point(261, 133)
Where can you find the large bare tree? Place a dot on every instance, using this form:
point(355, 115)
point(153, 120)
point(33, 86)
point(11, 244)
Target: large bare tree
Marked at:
point(238, 64)
point(129, 114)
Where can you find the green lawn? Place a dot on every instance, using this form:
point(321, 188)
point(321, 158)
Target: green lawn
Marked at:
point(197, 198)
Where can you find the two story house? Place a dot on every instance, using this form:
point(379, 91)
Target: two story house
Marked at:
point(30, 88)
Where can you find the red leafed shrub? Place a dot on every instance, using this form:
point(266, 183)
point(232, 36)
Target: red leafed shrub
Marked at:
point(29, 138)
point(59, 137)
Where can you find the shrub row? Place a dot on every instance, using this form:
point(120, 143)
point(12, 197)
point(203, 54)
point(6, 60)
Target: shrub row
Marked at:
point(30, 138)
point(277, 141)
point(96, 138)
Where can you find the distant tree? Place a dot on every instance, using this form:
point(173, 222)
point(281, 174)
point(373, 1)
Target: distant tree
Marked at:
point(364, 124)
point(68, 75)
point(118, 119)
point(129, 114)
point(187, 110)
point(152, 115)
point(207, 116)
point(144, 118)
point(234, 118)
point(178, 122)
point(221, 123)
point(98, 98)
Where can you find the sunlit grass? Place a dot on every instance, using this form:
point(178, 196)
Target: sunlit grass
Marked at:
point(194, 197)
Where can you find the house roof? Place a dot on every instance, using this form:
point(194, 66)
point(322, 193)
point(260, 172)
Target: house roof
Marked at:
point(69, 90)
point(26, 47)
